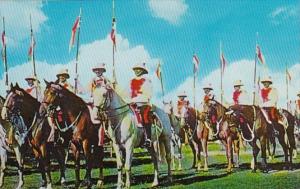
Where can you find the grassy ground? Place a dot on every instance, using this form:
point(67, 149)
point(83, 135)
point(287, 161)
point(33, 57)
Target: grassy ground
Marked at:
point(216, 177)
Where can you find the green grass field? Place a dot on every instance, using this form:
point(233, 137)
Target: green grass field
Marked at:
point(216, 177)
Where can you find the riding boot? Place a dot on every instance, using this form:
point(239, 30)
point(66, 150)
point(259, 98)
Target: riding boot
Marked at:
point(148, 141)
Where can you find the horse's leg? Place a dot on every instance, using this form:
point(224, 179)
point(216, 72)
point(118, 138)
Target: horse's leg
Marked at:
point(198, 145)
point(255, 151)
point(60, 154)
point(263, 144)
point(76, 153)
point(3, 157)
point(167, 145)
point(236, 155)
point(99, 154)
point(87, 154)
point(173, 155)
point(205, 153)
point(194, 154)
point(282, 142)
point(229, 153)
point(46, 164)
point(128, 162)
point(20, 166)
point(119, 164)
point(179, 154)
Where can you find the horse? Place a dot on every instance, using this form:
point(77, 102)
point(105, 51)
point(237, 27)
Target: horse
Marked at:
point(176, 142)
point(84, 134)
point(27, 108)
point(198, 137)
point(126, 135)
point(227, 133)
point(18, 120)
point(258, 127)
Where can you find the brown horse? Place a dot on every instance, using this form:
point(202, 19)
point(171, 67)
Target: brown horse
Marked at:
point(227, 133)
point(77, 119)
point(26, 108)
point(198, 136)
point(258, 127)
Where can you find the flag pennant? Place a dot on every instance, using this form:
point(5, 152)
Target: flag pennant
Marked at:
point(31, 48)
point(73, 32)
point(158, 71)
point(3, 39)
point(196, 63)
point(113, 32)
point(223, 62)
point(260, 56)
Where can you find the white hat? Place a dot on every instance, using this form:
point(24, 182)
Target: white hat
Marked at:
point(31, 77)
point(298, 93)
point(182, 94)
point(63, 72)
point(141, 66)
point(208, 86)
point(100, 66)
point(267, 79)
point(238, 83)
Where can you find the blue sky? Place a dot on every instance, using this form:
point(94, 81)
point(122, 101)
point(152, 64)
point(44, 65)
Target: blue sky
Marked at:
point(167, 31)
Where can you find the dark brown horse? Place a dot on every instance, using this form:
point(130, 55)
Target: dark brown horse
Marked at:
point(258, 127)
point(227, 133)
point(190, 126)
point(77, 119)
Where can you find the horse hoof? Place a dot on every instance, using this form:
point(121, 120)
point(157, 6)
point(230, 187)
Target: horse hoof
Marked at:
point(179, 169)
point(229, 171)
point(100, 184)
point(86, 183)
point(154, 184)
point(205, 169)
point(253, 171)
point(170, 179)
point(265, 171)
point(49, 186)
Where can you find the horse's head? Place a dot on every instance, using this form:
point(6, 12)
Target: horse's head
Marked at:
point(102, 97)
point(168, 107)
point(14, 101)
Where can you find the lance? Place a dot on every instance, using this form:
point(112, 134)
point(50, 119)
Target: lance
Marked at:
point(287, 86)
point(161, 80)
point(4, 55)
point(77, 54)
point(254, 77)
point(114, 45)
point(33, 58)
point(221, 72)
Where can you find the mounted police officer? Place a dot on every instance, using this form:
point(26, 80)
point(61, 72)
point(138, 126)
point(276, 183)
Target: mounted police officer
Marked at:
point(98, 82)
point(141, 93)
point(62, 79)
point(182, 106)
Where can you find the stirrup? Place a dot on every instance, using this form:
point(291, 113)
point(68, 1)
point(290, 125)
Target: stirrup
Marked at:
point(148, 143)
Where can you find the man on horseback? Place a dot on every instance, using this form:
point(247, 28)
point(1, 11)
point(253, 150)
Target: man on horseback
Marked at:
point(33, 88)
point(269, 98)
point(182, 106)
point(208, 107)
point(62, 79)
point(98, 82)
point(239, 95)
point(141, 93)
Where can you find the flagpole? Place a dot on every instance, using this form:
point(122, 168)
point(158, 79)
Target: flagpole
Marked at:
point(77, 54)
point(114, 47)
point(4, 56)
point(254, 78)
point(33, 59)
point(221, 72)
point(287, 87)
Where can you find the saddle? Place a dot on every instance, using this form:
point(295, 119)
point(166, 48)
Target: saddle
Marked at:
point(143, 115)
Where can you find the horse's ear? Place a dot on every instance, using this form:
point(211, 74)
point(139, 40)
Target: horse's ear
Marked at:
point(17, 85)
point(11, 86)
point(47, 83)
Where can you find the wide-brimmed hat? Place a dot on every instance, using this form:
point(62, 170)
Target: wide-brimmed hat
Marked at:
point(100, 66)
point(141, 66)
point(267, 80)
point(63, 72)
point(181, 94)
point(31, 77)
point(298, 93)
point(208, 86)
point(238, 83)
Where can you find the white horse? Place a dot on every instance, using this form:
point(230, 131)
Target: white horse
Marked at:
point(176, 143)
point(126, 135)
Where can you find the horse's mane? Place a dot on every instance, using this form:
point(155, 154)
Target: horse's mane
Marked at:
point(28, 96)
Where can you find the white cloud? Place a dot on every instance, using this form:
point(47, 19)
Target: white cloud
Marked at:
point(242, 69)
point(169, 10)
point(282, 13)
point(99, 51)
point(17, 20)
